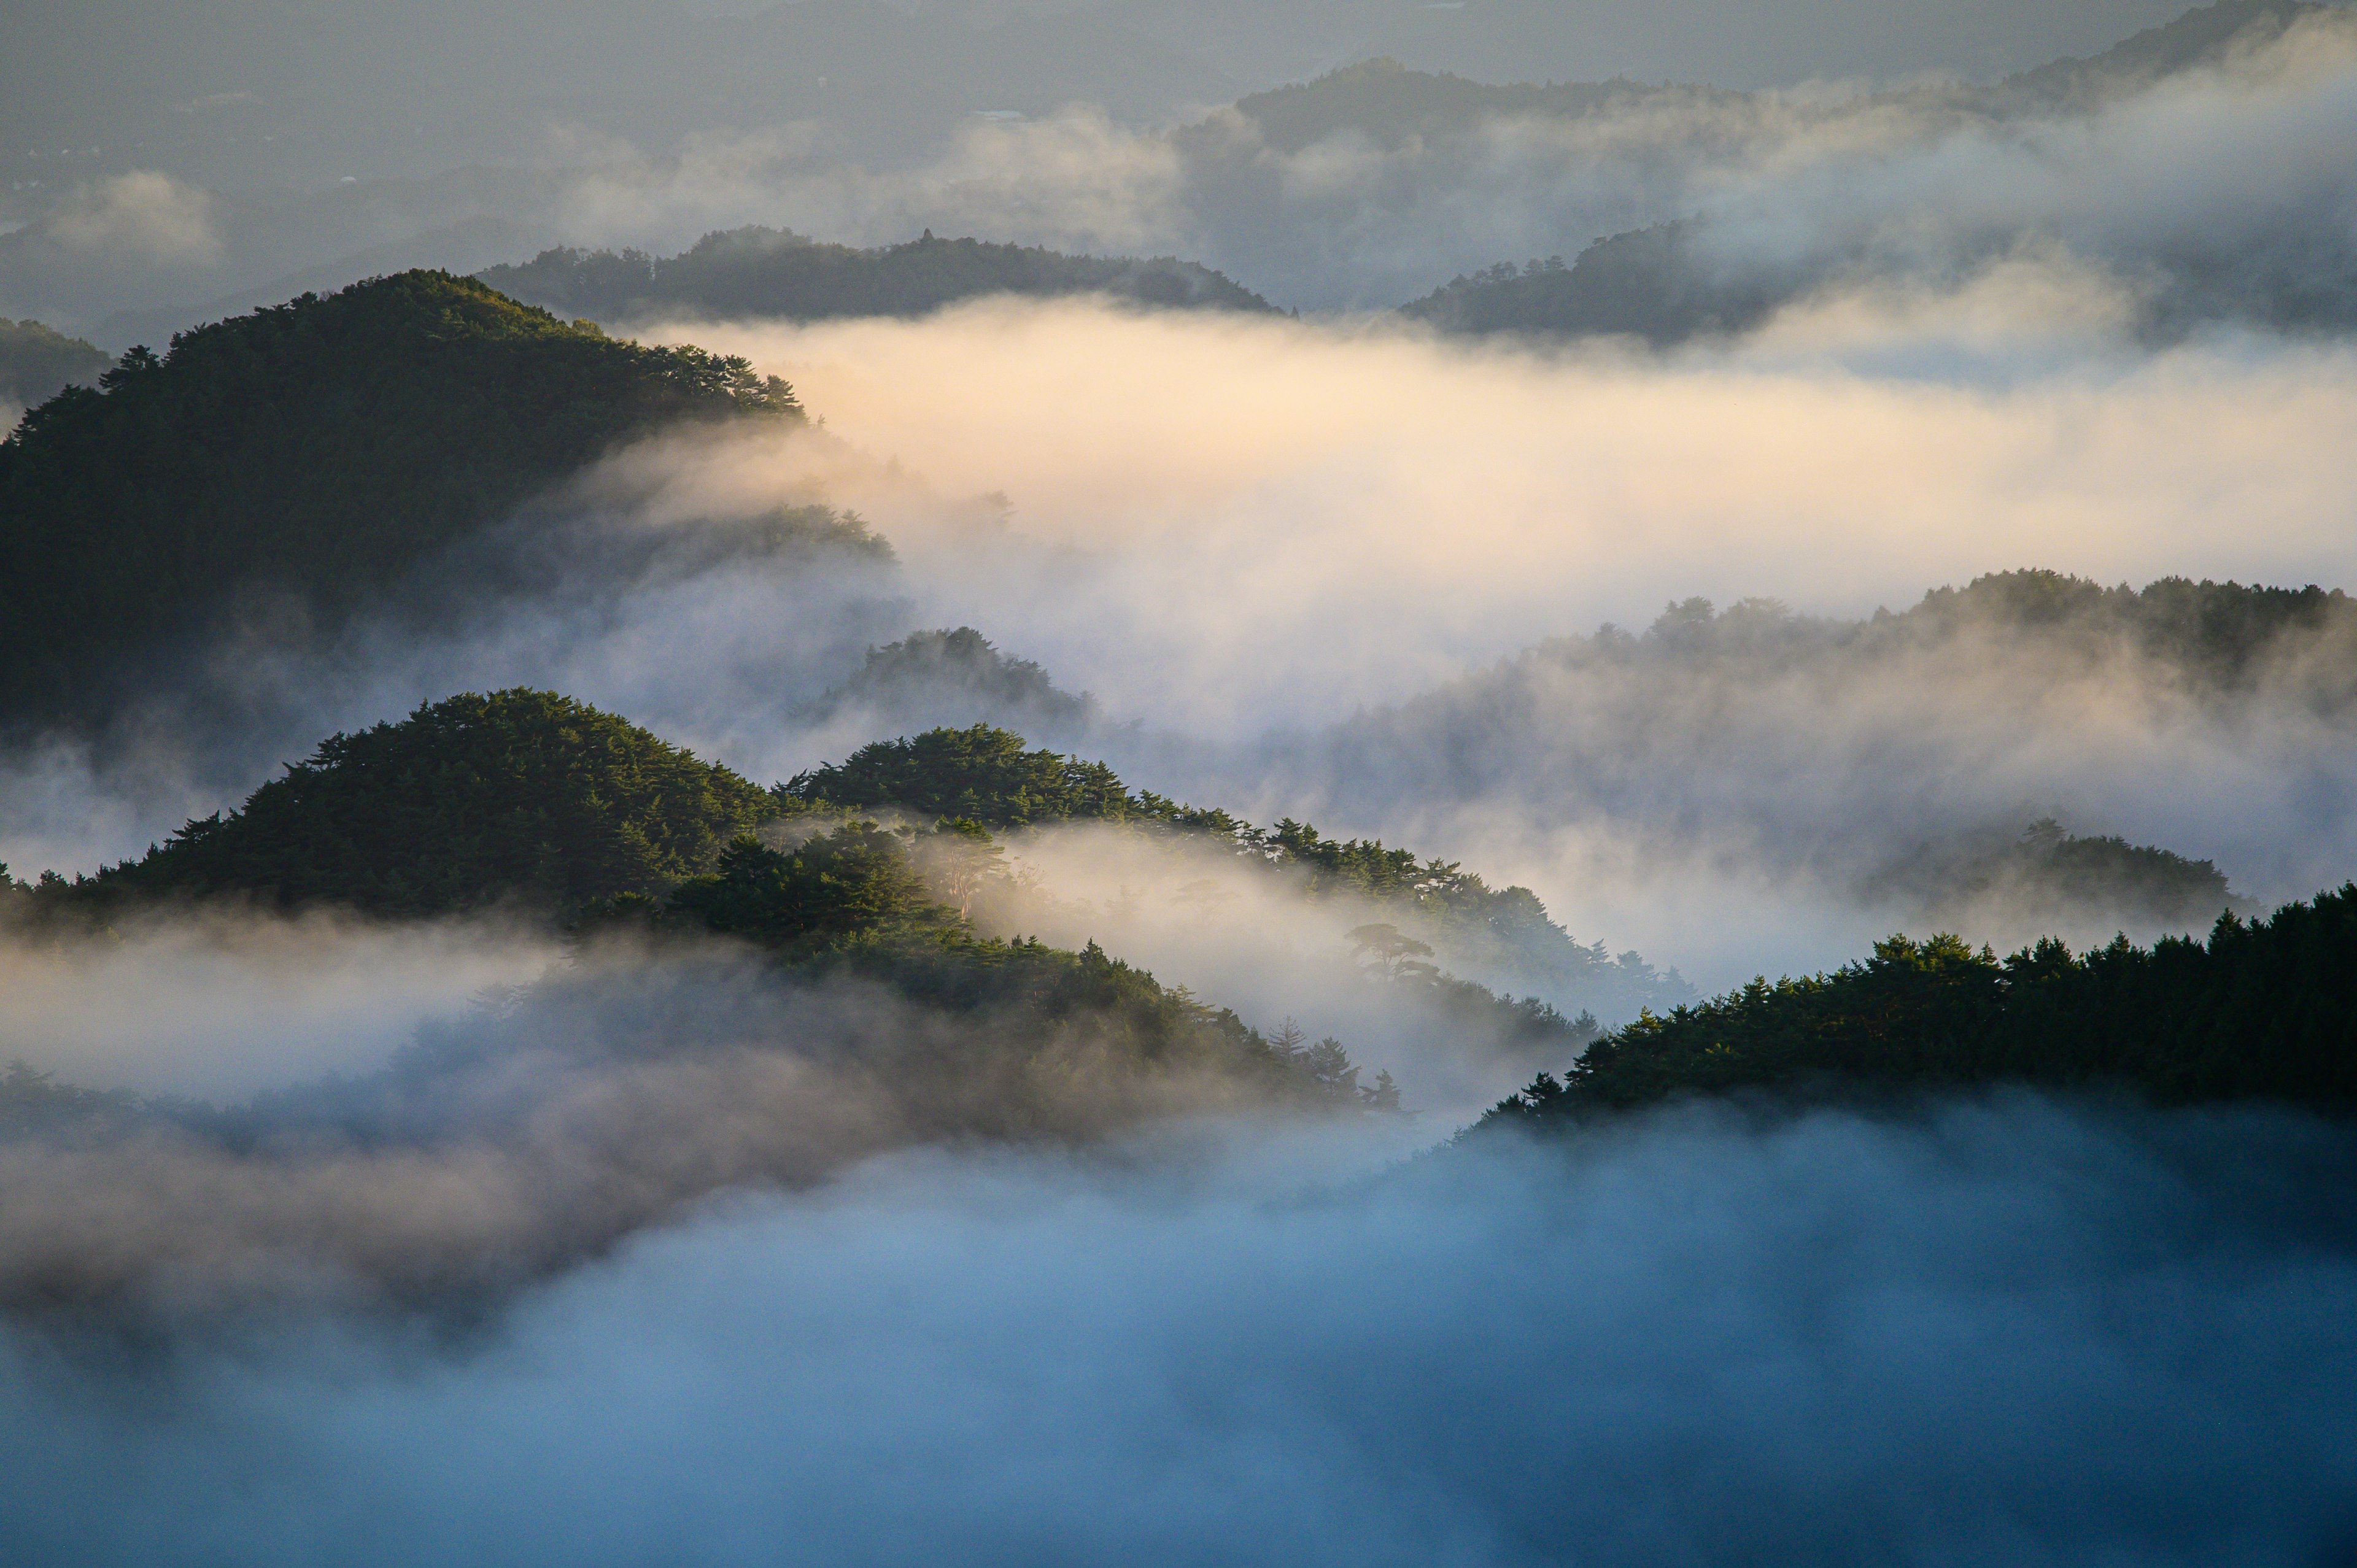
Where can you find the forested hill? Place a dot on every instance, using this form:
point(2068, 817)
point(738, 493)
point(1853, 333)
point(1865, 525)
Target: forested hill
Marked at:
point(37, 361)
point(316, 448)
point(2263, 1008)
point(520, 795)
point(770, 271)
point(1502, 936)
point(1648, 284)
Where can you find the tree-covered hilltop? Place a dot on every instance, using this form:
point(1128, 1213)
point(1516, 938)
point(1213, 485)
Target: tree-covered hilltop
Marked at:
point(534, 800)
point(732, 1012)
point(1651, 283)
point(37, 361)
point(931, 678)
point(315, 450)
point(2216, 641)
point(1856, 752)
point(518, 795)
point(2264, 1008)
point(771, 271)
point(987, 775)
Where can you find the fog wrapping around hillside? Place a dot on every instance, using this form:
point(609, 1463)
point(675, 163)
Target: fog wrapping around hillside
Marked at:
point(603, 1186)
point(1236, 533)
point(1353, 194)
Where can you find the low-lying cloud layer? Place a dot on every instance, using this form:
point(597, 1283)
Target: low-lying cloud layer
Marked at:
point(222, 1003)
point(1234, 534)
point(2005, 1330)
point(2210, 193)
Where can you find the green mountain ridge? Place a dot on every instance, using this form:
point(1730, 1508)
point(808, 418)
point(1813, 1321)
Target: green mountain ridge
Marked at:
point(312, 451)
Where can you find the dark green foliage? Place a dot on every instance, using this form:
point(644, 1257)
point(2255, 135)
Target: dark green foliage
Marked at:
point(2112, 871)
point(2263, 1008)
point(520, 794)
point(982, 773)
point(768, 272)
point(986, 775)
point(853, 903)
point(37, 362)
point(317, 449)
point(857, 880)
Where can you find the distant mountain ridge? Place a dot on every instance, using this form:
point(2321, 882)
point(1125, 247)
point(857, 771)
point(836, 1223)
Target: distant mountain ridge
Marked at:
point(764, 272)
point(1666, 282)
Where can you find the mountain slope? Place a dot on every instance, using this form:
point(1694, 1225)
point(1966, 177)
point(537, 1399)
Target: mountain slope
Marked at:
point(2267, 1008)
point(519, 794)
point(770, 272)
point(1716, 270)
point(313, 449)
point(36, 361)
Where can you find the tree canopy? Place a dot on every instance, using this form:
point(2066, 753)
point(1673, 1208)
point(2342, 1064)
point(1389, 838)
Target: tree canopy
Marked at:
point(2262, 1008)
point(316, 449)
point(987, 775)
point(519, 794)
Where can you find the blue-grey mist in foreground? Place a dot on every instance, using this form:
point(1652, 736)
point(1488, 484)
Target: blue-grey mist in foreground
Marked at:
point(2005, 1331)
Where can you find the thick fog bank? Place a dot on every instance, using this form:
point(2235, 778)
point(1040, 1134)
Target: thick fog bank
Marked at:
point(1231, 534)
point(1224, 526)
point(1238, 531)
point(2010, 1330)
point(230, 1002)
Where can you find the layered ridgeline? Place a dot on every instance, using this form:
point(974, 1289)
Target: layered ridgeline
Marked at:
point(2264, 1008)
point(1392, 104)
point(739, 1009)
point(1899, 761)
point(538, 804)
point(777, 272)
point(1693, 276)
point(309, 453)
point(1430, 908)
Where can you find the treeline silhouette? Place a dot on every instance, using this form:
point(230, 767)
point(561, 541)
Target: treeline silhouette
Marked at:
point(756, 271)
point(2263, 1008)
point(313, 449)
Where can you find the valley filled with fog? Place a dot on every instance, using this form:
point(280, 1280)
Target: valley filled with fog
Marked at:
point(1012, 797)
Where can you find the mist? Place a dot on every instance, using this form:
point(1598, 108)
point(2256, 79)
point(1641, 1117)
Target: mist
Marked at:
point(1820, 176)
point(223, 1003)
point(1243, 531)
point(1235, 535)
point(510, 1135)
point(2003, 1330)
